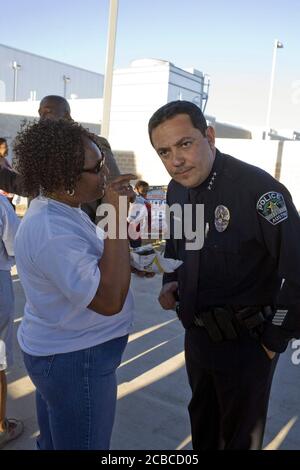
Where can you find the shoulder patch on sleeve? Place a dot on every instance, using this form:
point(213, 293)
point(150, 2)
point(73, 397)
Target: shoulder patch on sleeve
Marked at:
point(272, 207)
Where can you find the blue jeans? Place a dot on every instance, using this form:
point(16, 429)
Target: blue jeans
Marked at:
point(76, 396)
point(6, 319)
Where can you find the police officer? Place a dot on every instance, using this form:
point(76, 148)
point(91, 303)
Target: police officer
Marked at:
point(56, 107)
point(240, 293)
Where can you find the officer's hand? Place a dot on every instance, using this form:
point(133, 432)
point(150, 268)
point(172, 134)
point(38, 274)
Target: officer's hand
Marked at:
point(270, 354)
point(167, 297)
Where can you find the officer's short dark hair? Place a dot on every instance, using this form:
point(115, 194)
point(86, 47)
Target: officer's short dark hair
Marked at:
point(174, 108)
point(3, 140)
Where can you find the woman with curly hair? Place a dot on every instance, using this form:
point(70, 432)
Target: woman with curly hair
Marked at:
point(79, 308)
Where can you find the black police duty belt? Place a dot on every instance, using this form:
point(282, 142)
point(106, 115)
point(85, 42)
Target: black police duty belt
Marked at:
point(223, 323)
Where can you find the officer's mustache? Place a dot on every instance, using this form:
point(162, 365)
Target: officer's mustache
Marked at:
point(180, 172)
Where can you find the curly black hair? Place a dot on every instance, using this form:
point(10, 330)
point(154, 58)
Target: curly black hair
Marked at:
point(49, 155)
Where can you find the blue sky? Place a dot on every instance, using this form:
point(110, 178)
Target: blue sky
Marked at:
point(229, 40)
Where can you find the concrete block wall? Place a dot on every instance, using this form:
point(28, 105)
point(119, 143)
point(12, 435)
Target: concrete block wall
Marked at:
point(126, 162)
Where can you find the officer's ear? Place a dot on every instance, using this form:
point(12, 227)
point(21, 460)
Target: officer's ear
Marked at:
point(211, 137)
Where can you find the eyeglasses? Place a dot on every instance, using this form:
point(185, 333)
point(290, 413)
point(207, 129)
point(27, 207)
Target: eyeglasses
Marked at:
point(97, 168)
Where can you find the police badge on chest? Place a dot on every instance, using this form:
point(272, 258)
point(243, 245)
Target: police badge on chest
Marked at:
point(222, 218)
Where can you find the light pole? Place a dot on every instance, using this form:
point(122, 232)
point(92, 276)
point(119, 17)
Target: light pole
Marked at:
point(206, 85)
point(277, 45)
point(109, 66)
point(16, 67)
point(66, 81)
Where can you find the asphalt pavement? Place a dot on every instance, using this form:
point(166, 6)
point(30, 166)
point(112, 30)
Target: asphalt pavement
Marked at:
point(153, 391)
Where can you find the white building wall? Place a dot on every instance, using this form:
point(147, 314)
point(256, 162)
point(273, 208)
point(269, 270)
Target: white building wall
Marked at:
point(39, 76)
point(137, 92)
point(89, 110)
point(264, 154)
point(20, 108)
point(261, 153)
point(184, 85)
point(290, 170)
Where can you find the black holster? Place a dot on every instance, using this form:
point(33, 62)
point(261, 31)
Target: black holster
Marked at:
point(226, 323)
point(254, 318)
point(220, 324)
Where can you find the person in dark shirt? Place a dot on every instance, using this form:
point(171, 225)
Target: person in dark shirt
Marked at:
point(3, 152)
point(57, 107)
point(239, 295)
point(4, 163)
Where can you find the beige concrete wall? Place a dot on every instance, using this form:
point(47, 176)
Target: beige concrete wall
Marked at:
point(279, 158)
point(126, 161)
point(290, 170)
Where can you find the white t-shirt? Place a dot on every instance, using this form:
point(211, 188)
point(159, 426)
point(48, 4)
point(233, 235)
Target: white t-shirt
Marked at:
point(57, 251)
point(9, 224)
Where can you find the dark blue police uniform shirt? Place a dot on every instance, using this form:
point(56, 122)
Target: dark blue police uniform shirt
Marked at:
point(255, 260)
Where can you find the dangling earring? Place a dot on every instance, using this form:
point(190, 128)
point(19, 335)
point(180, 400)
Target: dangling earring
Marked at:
point(71, 193)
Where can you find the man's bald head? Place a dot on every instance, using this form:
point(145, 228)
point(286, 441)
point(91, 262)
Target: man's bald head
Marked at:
point(54, 107)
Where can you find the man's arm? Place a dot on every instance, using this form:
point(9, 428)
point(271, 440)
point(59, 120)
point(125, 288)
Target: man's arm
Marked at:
point(281, 235)
point(9, 225)
point(11, 182)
